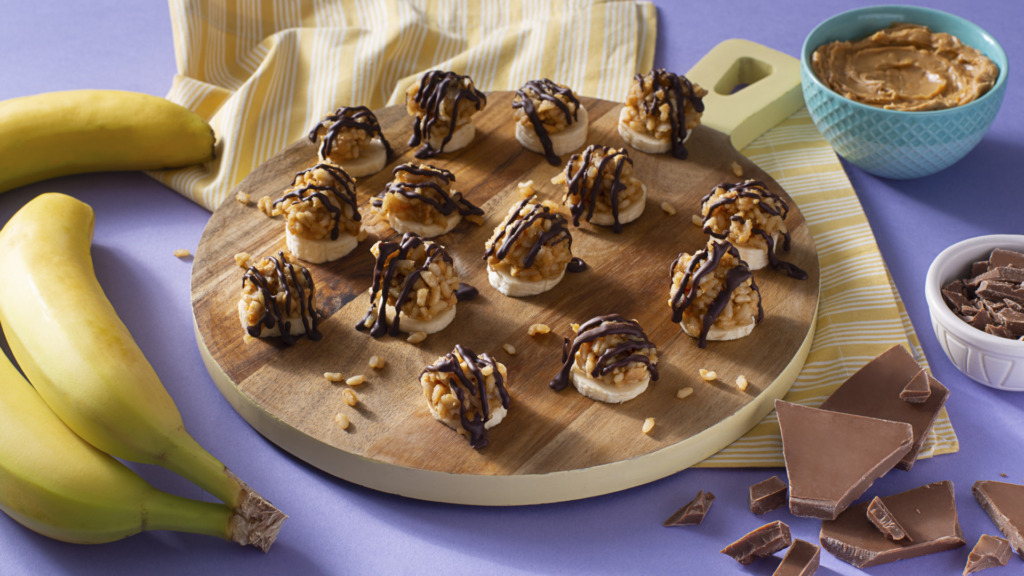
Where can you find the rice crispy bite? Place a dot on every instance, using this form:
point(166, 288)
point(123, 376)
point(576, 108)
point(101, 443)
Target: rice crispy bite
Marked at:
point(660, 111)
point(420, 199)
point(531, 249)
point(609, 360)
point(322, 216)
point(278, 299)
point(351, 137)
point(713, 294)
point(415, 288)
point(599, 185)
point(467, 392)
point(549, 119)
point(752, 219)
point(443, 104)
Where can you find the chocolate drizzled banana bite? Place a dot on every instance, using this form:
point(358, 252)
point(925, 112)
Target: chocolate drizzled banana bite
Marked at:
point(351, 137)
point(660, 111)
point(323, 221)
point(599, 186)
point(549, 119)
point(443, 104)
point(420, 199)
point(468, 392)
point(278, 299)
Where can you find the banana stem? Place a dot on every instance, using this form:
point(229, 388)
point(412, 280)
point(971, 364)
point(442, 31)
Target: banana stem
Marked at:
point(168, 512)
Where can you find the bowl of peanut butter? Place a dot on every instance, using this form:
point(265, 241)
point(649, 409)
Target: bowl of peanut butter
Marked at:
point(902, 91)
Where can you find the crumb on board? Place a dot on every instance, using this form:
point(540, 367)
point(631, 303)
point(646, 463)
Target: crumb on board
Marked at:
point(377, 362)
point(684, 392)
point(708, 375)
point(341, 420)
point(509, 348)
point(357, 380)
point(349, 397)
point(333, 376)
point(416, 337)
point(668, 209)
point(536, 329)
point(648, 426)
point(741, 382)
point(182, 253)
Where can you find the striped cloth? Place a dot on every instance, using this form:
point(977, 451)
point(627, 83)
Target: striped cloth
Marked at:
point(264, 71)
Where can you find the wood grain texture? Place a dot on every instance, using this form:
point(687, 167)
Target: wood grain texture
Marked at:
point(545, 431)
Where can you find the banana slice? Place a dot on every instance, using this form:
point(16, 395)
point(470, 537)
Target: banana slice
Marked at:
point(517, 287)
point(498, 414)
point(410, 325)
point(424, 230)
point(564, 142)
point(645, 142)
point(320, 250)
point(756, 258)
point(372, 158)
point(461, 138)
point(625, 216)
point(295, 327)
point(721, 334)
point(597, 389)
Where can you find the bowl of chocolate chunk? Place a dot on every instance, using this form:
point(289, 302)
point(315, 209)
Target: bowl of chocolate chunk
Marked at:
point(902, 91)
point(975, 295)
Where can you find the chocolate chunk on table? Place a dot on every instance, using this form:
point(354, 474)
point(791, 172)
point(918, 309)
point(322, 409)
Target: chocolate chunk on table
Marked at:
point(833, 457)
point(760, 542)
point(693, 512)
point(927, 513)
point(989, 552)
point(918, 390)
point(801, 559)
point(883, 519)
point(767, 495)
point(1004, 504)
point(875, 389)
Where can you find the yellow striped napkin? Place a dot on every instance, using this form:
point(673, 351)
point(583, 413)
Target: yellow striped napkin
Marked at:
point(263, 72)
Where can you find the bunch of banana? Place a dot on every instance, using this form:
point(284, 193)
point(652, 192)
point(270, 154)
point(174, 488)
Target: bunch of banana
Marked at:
point(71, 132)
point(85, 365)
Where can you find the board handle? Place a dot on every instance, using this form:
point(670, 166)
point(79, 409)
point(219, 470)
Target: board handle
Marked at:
point(750, 89)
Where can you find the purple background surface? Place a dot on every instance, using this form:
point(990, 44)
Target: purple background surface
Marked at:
point(339, 528)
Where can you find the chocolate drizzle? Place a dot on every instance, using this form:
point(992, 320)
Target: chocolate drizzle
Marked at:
point(475, 384)
point(576, 182)
point(434, 88)
point(767, 202)
point(384, 272)
point(447, 204)
point(545, 90)
point(328, 194)
point(703, 263)
point(296, 290)
point(576, 265)
point(617, 357)
point(357, 117)
point(517, 223)
point(674, 90)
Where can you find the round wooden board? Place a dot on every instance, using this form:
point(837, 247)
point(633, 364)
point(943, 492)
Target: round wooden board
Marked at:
point(552, 446)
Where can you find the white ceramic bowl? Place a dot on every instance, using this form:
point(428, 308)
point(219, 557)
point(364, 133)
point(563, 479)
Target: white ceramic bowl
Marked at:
point(991, 360)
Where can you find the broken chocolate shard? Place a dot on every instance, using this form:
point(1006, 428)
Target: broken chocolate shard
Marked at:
point(990, 290)
point(928, 514)
point(874, 391)
point(917, 391)
point(1004, 504)
point(693, 512)
point(979, 267)
point(801, 559)
point(883, 519)
point(760, 542)
point(833, 457)
point(989, 552)
point(1001, 257)
point(767, 495)
point(1000, 274)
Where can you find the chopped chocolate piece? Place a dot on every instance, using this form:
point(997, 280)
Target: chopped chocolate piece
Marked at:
point(874, 391)
point(999, 290)
point(989, 552)
point(767, 495)
point(833, 457)
point(1001, 274)
point(694, 512)
point(761, 542)
point(1001, 257)
point(981, 319)
point(955, 297)
point(883, 519)
point(917, 391)
point(928, 514)
point(998, 331)
point(979, 267)
point(1012, 320)
point(1004, 504)
point(800, 560)
point(1015, 306)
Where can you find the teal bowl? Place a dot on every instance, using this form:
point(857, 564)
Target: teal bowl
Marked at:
point(894, 143)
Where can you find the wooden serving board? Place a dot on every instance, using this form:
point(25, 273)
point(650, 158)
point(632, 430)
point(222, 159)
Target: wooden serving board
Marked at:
point(552, 446)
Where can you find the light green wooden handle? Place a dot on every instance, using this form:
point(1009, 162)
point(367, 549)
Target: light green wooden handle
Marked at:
point(772, 93)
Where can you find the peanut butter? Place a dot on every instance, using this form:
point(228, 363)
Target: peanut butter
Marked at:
point(905, 67)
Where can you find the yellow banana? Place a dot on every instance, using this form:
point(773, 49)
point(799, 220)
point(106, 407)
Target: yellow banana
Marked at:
point(83, 362)
point(59, 133)
point(58, 485)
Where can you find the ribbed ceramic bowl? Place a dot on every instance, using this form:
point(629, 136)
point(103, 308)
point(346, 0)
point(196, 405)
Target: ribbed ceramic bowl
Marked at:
point(893, 143)
point(992, 360)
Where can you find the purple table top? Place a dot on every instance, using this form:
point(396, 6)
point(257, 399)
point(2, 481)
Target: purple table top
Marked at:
point(339, 528)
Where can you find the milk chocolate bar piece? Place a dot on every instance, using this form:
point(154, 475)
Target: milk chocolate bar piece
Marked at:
point(801, 559)
point(760, 542)
point(883, 519)
point(989, 552)
point(694, 512)
point(767, 495)
point(927, 513)
point(833, 457)
point(875, 389)
point(1004, 504)
point(918, 390)
point(1003, 257)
